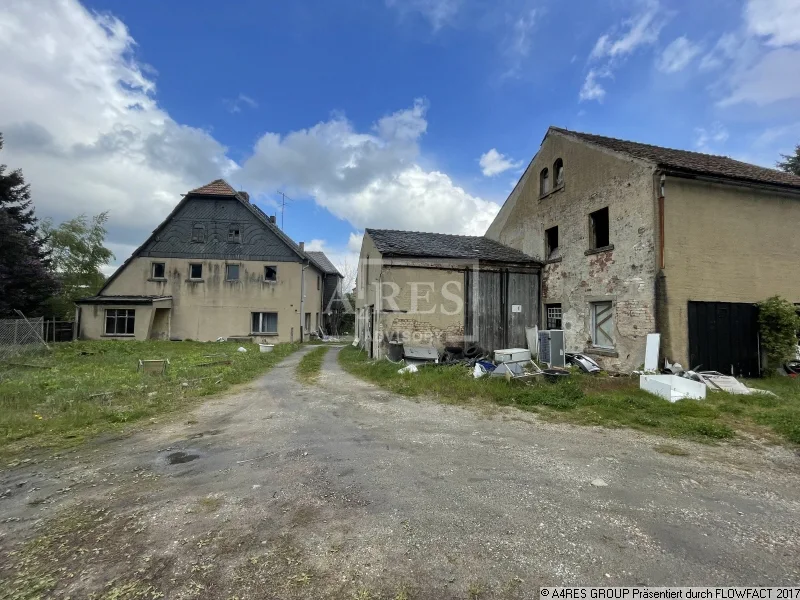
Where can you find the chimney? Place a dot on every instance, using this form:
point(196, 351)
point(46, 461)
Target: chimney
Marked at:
point(245, 195)
point(302, 246)
point(272, 219)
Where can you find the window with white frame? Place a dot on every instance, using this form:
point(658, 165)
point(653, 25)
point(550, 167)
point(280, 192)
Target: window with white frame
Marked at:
point(553, 316)
point(158, 270)
point(120, 321)
point(603, 324)
point(265, 322)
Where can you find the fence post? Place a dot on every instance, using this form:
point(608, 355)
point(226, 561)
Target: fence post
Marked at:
point(16, 325)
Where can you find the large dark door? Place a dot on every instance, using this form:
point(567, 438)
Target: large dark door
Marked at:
point(723, 336)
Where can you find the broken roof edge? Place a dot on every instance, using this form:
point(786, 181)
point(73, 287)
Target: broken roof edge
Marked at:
point(121, 299)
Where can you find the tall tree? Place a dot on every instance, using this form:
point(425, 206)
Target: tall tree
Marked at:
point(77, 254)
point(25, 280)
point(790, 162)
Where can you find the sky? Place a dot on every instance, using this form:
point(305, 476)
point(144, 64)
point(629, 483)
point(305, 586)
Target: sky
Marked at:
point(400, 114)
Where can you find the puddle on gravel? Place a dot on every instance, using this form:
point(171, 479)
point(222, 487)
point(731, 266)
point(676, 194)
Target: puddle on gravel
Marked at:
point(178, 458)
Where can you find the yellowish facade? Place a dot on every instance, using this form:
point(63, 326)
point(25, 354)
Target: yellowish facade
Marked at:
point(212, 307)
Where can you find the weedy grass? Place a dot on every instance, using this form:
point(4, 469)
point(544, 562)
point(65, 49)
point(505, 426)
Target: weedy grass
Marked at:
point(309, 367)
point(82, 388)
point(601, 400)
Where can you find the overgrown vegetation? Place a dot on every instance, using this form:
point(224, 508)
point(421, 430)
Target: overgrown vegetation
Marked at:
point(81, 388)
point(600, 400)
point(778, 324)
point(309, 367)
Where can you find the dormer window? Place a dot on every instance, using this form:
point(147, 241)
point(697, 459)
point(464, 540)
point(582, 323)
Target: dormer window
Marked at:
point(234, 234)
point(544, 182)
point(558, 171)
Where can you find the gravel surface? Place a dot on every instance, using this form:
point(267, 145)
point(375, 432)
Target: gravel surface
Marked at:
point(341, 489)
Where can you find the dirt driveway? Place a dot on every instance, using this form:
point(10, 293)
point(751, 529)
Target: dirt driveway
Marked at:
point(343, 490)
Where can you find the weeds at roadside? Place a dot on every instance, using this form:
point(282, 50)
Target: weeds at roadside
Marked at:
point(310, 366)
point(670, 449)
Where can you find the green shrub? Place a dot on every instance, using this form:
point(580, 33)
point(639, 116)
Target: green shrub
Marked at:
point(778, 325)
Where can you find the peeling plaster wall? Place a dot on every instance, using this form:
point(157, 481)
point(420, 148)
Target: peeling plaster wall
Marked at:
point(594, 178)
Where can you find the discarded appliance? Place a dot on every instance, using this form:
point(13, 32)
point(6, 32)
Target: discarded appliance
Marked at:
point(421, 352)
point(555, 375)
point(551, 347)
point(651, 352)
point(266, 347)
point(532, 337)
point(153, 367)
point(395, 351)
point(672, 387)
point(586, 364)
point(717, 382)
point(512, 355)
point(513, 368)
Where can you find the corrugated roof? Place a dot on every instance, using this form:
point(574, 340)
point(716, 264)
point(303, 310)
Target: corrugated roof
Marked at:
point(690, 162)
point(218, 187)
point(443, 245)
point(323, 262)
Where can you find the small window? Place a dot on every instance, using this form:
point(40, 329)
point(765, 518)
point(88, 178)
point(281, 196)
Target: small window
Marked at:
point(159, 270)
point(234, 234)
point(319, 282)
point(544, 182)
point(316, 321)
point(551, 243)
point(270, 273)
point(195, 270)
point(558, 172)
point(199, 233)
point(553, 316)
point(120, 321)
point(231, 272)
point(598, 226)
point(603, 324)
point(265, 322)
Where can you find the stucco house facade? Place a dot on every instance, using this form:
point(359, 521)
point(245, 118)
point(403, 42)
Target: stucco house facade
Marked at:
point(216, 267)
point(638, 239)
point(439, 289)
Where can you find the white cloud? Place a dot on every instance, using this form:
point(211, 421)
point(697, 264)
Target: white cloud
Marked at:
point(493, 163)
point(677, 55)
point(235, 105)
point(772, 78)
point(707, 139)
point(724, 50)
point(438, 12)
point(354, 241)
point(641, 29)
point(591, 89)
point(776, 20)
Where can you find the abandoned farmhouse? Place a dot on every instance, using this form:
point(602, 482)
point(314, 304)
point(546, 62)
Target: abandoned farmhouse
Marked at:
point(608, 240)
point(216, 267)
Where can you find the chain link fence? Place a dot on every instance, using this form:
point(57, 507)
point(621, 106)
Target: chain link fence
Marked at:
point(21, 336)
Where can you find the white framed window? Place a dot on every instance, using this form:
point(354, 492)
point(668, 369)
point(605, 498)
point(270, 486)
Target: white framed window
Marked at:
point(602, 324)
point(270, 273)
point(553, 316)
point(195, 270)
point(120, 321)
point(265, 322)
point(158, 270)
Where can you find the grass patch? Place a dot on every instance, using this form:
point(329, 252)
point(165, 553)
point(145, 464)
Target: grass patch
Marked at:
point(310, 365)
point(670, 449)
point(90, 386)
point(601, 400)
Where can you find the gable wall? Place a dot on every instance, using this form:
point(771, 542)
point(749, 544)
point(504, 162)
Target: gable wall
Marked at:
point(594, 179)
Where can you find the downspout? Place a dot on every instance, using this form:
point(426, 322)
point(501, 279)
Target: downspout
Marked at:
point(303, 266)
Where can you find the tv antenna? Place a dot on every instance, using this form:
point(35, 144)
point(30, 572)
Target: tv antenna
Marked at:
point(284, 200)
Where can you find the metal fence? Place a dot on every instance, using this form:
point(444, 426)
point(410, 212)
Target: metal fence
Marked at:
point(21, 336)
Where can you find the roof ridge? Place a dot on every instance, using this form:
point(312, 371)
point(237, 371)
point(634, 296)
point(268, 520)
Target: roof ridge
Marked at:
point(461, 235)
point(218, 187)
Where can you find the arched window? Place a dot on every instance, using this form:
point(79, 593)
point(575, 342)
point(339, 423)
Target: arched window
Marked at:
point(544, 182)
point(558, 171)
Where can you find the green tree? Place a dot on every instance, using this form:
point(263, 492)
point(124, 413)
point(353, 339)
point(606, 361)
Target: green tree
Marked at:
point(790, 162)
point(77, 254)
point(779, 325)
point(26, 282)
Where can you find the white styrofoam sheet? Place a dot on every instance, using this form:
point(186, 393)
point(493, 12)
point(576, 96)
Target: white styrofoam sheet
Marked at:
point(651, 352)
point(672, 387)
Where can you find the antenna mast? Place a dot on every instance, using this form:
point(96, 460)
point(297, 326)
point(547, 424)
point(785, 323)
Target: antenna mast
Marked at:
point(284, 199)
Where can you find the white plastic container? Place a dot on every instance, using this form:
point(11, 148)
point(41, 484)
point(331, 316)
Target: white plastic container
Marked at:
point(672, 387)
point(512, 355)
point(266, 347)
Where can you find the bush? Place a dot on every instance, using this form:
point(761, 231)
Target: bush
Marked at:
point(779, 324)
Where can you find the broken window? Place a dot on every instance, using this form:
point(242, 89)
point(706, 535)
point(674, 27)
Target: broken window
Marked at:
point(603, 324)
point(558, 172)
point(120, 321)
point(159, 270)
point(198, 233)
point(265, 322)
point(553, 316)
point(195, 270)
point(598, 228)
point(270, 273)
point(231, 272)
point(551, 243)
point(544, 182)
point(234, 234)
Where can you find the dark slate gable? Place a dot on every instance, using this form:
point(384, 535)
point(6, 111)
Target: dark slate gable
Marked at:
point(216, 215)
point(441, 245)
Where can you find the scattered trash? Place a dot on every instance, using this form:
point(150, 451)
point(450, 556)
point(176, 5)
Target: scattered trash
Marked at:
point(153, 367)
point(586, 364)
point(241, 349)
point(717, 382)
point(651, 352)
point(266, 347)
point(672, 387)
point(532, 337)
point(512, 369)
point(478, 371)
point(555, 375)
point(512, 355)
point(421, 352)
point(408, 369)
point(599, 483)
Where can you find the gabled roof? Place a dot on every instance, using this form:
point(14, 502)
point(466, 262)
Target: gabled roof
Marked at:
point(442, 245)
point(688, 162)
point(218, 187)
point(323, 262)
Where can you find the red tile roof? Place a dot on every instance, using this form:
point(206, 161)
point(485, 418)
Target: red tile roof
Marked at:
point(218, 187)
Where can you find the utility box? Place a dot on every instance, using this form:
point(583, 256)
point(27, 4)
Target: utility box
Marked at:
point(512, 355)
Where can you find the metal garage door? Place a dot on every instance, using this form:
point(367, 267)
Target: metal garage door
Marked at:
point(723, 336)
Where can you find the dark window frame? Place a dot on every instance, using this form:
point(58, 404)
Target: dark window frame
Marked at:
point(544, 182)
point(153, 267)
point(191, 268)
point(553, 322)
point(259, 325)
point(198, 233)
point(558, 168)
point(234, 233)
point(549, 248)
point(228, 266)
point(122, 321)
point(599, 229)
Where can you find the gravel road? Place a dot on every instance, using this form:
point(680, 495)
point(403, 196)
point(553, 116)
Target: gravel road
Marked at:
point(343, 490)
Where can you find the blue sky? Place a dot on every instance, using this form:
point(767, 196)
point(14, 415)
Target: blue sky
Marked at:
point(408, 114)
